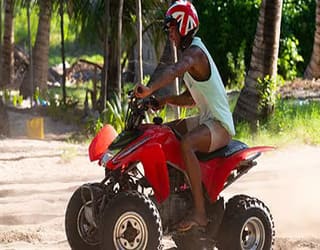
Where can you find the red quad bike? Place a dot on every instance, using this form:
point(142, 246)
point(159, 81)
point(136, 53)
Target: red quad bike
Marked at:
point(145, 193)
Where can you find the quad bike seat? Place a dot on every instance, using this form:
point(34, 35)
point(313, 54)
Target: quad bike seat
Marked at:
point(233, 147)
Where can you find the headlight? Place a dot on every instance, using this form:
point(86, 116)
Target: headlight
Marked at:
point(106, 157)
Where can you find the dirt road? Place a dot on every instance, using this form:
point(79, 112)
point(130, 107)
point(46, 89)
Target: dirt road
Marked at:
point(37, 177)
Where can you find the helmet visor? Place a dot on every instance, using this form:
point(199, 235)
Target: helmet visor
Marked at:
point(169, 21)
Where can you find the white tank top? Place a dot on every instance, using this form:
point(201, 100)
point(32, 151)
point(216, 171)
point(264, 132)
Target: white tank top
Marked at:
point(210, 95)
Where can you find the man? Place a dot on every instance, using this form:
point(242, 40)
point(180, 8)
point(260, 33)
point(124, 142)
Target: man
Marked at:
point(213, 128)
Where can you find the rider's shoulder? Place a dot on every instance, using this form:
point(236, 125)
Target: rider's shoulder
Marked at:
point(193, 51)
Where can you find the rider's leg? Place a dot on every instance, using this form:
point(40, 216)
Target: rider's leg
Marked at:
point(204, 138)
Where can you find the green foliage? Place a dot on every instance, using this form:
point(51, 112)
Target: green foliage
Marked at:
point(37, 94)
point(7, 95)
point(115, 113)
point(93, 125)
point(267, 88)
point(58, 110)
point(289, 58)
point(21, 28)
point(237, 69)
point(298, 20)
point(228, 26)
point(11, 97)
point(17, 100)
point(293, 121)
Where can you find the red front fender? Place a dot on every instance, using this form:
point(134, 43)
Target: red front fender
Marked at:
point(155, 167)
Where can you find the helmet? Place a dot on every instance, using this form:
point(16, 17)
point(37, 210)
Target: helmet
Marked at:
point(184, 14)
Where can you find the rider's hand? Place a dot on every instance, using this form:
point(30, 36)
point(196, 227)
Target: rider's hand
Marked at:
point(162, 102)
point(142, 91)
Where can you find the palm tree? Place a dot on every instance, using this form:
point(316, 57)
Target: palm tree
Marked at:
point(119, 49)
point(139, 38)
point(313, 68)
point(61, 12)
point(0, 35)
point(0, 22)
point(7, 74)
point(263, 62)
point(30, 53)
point(89, 15)
point(4, 124)
point(40, 52)
point(104, 80)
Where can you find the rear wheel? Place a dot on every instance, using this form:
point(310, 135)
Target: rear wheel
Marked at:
point(131, 221)
point(247, 224)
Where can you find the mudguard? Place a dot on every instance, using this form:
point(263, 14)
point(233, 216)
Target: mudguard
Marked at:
point(216, 177)
point(101, 142)
point(154, 163)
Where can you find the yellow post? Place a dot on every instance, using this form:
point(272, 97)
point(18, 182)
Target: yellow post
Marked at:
point(35, 128)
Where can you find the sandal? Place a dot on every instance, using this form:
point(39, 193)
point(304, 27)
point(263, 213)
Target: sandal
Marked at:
point(187, 225)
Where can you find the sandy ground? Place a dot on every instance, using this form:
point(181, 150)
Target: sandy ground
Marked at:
point(37, 177)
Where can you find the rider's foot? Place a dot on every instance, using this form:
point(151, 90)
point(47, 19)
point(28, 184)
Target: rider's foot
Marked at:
point(192, 222)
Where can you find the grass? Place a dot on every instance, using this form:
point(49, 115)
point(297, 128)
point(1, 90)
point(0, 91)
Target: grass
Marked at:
point(293, 122)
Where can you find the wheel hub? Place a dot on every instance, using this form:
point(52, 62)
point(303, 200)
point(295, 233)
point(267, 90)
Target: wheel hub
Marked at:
point(252, 234)
point(130, 232)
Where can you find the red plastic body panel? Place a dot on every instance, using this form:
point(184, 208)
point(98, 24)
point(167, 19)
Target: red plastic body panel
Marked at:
point(155, 168)
point(216, 171)
point(101, 142)
point(158, 145)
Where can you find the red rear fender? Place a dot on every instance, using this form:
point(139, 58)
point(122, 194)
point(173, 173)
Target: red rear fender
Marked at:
point(254, 150)
point(217, 176)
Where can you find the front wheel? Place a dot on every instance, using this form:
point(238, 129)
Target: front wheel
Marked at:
point(131, 221)
point(81, 232)
point(247, 225)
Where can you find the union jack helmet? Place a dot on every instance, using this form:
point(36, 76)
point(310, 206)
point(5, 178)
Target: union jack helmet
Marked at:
point(184, 14)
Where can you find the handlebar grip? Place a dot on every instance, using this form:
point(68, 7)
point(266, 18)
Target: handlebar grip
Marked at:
point(139, 90)
point(154, 102)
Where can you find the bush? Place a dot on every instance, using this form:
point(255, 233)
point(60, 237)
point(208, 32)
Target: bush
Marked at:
point(289, 58)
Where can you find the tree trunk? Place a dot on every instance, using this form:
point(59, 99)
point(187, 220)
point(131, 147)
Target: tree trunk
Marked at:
point(263, 61)
point(30, 75)
point(119, 49)
point(313, 68)
point(139, 40)
point(104, 80)
point(64, 93)
point(40, 52)
point(7, 68)
point(114, 71)
point(4, 124)
point(0, 40)
point(0, 24)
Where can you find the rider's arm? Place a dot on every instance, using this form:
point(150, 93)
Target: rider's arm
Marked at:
point(168, 75)
point(185, 99)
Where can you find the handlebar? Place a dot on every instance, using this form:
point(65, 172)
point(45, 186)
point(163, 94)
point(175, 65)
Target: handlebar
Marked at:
point(152, 102)
point(137, 108)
